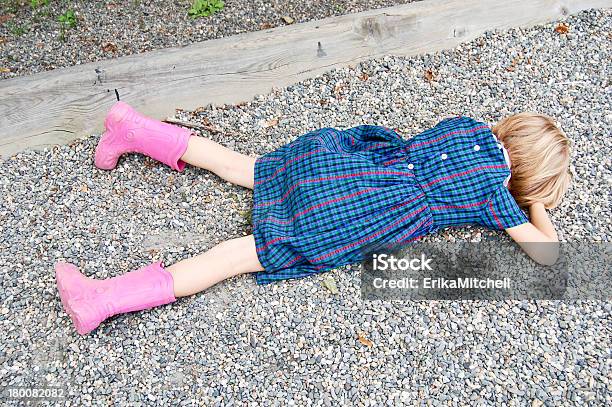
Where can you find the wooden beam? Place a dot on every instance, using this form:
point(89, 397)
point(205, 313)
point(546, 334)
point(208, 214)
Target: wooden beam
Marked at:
point(64, 104)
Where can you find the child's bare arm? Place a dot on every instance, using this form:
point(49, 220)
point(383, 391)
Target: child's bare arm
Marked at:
point(539, 218)
point(538, 230)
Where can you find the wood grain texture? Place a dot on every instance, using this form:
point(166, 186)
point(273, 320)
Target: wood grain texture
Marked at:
point(62, 105)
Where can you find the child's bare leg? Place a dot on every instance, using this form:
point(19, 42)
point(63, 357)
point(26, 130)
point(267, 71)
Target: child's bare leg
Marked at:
point(89, 301)
point(228, 164)
point(227, 259)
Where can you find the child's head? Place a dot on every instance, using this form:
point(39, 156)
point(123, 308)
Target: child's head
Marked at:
point(539, 154)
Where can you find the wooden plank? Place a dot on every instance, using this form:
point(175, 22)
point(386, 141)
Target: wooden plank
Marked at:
point(61, 105)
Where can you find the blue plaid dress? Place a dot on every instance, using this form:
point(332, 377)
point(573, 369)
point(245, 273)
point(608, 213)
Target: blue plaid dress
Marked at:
point(320, 200)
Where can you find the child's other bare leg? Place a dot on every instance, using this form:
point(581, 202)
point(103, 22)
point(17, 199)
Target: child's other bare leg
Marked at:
point(225, 260)
point(90, 301)
point(228, 164)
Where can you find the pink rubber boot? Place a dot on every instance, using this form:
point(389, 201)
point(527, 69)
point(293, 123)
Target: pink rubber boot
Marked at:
point(88, 302)
point(128, 131)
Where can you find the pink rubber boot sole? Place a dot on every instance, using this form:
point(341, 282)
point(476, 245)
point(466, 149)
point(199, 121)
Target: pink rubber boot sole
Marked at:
point(70, 284)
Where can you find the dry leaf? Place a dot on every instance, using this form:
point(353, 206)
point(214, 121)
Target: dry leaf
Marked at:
point(364, 76)
point(512, 66)
point(364, 341)
point(323, 102)
point(562, 28)
point(3, 40)
point(5, 70)
point(330, 284)
point(339, 88)
point(109, 47)
point(288, 19)
point(149, 163)
point(270, 123)
point(265, 26)
point(84, 188)
point(247, 216)
point(4, 18)
point(429, 75)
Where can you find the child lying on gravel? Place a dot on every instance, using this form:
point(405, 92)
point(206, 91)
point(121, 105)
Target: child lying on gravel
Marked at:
point(321, 199)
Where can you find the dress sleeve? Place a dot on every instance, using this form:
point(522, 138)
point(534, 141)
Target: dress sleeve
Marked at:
point(502, 211)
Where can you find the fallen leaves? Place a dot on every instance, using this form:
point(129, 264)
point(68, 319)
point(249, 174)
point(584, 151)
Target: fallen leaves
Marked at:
point(109, 47)
point(205, 125)
point(270, 123)
point(5, 17)
point(84, 188)
point(363, 77)
point(288, 20)
point(364, 341)
point(430, 75)
point(513, 65)
point(149, 163)
point(339, 89)
point(330, 284)
point(247, 215)
point(562, 28)
point(265, 26)
point(5, 70)
point(516, 61)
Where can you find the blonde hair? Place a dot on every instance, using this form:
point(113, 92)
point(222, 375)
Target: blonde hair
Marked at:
point(539, 153)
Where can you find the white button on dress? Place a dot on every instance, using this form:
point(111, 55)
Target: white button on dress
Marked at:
point(444, 156)
point(410, 166)
point(476, 147)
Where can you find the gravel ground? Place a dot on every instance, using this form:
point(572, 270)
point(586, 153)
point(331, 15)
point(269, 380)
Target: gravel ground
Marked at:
point(110, 29)
point(245, 344)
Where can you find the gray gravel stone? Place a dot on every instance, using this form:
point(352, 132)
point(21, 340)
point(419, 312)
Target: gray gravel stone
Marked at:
point(31, 39)
point(243, 344)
